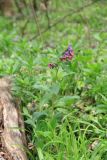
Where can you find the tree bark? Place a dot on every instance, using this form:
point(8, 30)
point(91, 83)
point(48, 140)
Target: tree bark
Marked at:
point(12, 135)
point(6, 7)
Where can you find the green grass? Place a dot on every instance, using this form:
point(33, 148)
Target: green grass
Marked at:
point(64, 108)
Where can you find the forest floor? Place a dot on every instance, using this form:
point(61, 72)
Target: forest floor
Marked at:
point(65, 107)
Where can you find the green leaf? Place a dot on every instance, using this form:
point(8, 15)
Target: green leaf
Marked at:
point(30, 122)
point(40, 154)
point(39, 115)
point(54, 89)
point(26, 113)
point(40, 87)
point(67, 100)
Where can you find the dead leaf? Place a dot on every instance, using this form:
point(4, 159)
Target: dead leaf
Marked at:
point(94, 144)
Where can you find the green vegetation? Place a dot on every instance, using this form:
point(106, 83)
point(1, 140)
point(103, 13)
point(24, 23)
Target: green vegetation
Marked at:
point(64, 108)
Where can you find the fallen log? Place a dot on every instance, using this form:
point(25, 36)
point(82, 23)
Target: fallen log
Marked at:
point(12, 135)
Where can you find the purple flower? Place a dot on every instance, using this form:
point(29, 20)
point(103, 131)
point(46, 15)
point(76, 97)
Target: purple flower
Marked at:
point(68, 54)
point(70, 48)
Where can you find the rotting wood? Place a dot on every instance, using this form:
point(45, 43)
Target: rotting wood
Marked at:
point(12, 136)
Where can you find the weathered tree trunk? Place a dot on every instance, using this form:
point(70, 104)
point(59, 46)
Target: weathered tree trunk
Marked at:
point(12, 136)
point(6, 7)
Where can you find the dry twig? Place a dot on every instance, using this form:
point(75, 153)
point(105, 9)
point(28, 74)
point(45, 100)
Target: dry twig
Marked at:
point(63, 18)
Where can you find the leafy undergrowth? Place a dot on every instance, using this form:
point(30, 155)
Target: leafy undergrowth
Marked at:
point(65, 107)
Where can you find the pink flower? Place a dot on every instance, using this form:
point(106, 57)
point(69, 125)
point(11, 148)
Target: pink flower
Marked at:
point(52, 65)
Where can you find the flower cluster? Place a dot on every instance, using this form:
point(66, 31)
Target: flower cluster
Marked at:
point(67, 56)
